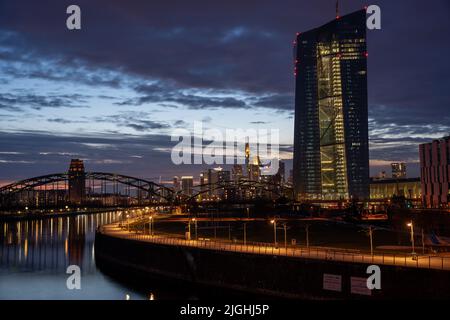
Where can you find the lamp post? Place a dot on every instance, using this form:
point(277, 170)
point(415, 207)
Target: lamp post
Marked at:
point(411, 225)
point(151, 226)
point(189, 229)
point(274, 222)
point(371, 240)
point(423, 242)
point(307, 235)
point(245, 233)
point(195, 224)
point(285, 235)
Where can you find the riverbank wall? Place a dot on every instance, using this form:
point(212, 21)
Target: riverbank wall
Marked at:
point(276, 276)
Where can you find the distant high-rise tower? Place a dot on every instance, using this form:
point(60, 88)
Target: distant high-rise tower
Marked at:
point(237, 172)
point(331, 153)
point(187, 185)
point(247, 158)
point(398, 170)
point(77, 182)
point(176, 184)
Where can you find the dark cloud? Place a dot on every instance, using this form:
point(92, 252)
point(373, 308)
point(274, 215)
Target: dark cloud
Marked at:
point(64, 121)
point(226, 55)
point(168, 94)
point(146, 125)
point(7, 107)
point(259, 122)
point(139, 121)
point(284, 102)
point(20, 101)
point(180, 124)
point(37, 153)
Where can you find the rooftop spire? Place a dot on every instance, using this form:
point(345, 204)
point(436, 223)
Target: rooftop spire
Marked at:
point(337, 9)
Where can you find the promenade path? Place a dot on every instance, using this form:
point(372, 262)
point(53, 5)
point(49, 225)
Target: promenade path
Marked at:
point(319, 253)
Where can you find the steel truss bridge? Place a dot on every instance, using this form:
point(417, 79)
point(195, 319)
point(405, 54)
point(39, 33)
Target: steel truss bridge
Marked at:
point(114, 190)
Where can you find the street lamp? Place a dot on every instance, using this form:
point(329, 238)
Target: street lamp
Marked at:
point(274, 222)
point(245, 233)
point(195, 224)
point(189, 229)
point(411, 225)
point(307, 235)
point(371, 240)
point(151, 226)
point(423, 242)
point(285, 237)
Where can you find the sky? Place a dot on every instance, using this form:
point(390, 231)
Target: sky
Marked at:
point(113, 92)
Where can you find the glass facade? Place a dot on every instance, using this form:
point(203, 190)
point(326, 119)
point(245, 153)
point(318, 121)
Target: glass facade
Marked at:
point(331, 152)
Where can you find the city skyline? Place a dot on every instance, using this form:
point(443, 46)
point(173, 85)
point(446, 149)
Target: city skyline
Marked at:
point(84, 95)
point(198, 152)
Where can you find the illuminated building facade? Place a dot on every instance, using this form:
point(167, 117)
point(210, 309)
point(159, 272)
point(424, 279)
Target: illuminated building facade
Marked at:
point(176, 184)
point(331, 152)
point(398, 170)
point(187, 185)
point(385, 189)
point(435, 173)
point(77, 182)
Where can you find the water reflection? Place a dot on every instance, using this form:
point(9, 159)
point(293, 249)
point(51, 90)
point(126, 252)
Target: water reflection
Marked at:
point(38, 252)
point(35, 254)
point(51, 244)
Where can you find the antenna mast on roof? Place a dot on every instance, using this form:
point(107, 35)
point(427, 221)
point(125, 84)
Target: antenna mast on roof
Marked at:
point(337, 9)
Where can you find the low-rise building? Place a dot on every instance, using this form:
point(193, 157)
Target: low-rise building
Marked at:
point(435, 173)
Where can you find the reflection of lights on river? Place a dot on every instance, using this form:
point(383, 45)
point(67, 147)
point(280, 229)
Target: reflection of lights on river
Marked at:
point(36, 232)
point(18, 233)
point(25, 248)
point(59, 227)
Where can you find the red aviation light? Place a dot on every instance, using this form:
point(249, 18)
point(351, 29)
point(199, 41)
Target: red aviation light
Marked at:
point(366, 54)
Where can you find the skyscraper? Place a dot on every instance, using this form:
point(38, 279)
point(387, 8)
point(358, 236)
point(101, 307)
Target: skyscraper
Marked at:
point(176, 184)
point(77, 182)
point(331, 153)
point(237, 173)
point(187, 185)
point(398, 170)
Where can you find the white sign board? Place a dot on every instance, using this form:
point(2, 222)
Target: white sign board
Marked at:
point(332, 282)
point(359, 286)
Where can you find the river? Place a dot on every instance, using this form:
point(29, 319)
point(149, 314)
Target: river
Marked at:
point(35, 254)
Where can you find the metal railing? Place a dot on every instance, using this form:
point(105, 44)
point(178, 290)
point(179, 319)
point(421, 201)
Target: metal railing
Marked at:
point(319, 253)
